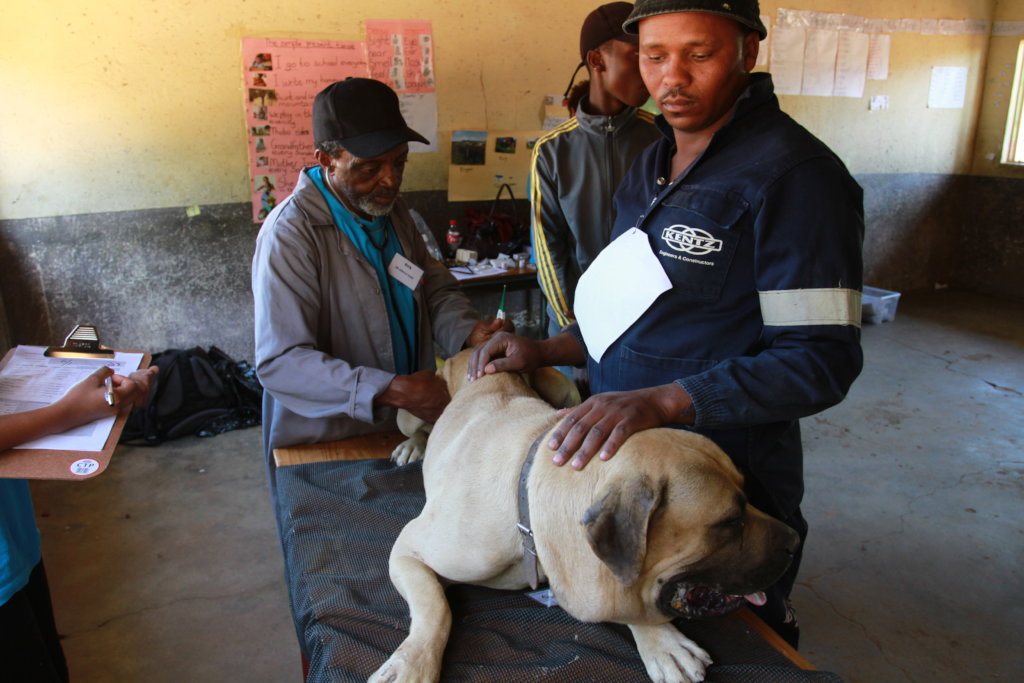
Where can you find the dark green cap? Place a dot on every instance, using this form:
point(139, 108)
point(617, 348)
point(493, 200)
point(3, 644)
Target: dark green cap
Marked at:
point(746, 12)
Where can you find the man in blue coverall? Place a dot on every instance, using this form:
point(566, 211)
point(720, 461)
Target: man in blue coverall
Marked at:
point(758, 229)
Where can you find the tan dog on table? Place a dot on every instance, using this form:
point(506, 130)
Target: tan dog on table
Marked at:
point(661, 530)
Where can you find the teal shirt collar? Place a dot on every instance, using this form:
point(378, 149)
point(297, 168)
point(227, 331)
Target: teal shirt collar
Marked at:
point(378, 242)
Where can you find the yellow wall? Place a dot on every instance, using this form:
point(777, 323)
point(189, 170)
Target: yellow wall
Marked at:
point(908, 137)
point(135, 104)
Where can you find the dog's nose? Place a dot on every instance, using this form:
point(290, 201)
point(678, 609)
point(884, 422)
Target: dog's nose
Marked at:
point(791, 542)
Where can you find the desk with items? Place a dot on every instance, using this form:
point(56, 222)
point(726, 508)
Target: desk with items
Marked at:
point(493, 279)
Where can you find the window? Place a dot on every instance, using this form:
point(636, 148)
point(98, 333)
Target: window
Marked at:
point(1013, 143)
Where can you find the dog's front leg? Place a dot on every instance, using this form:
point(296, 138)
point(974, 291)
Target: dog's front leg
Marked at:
point(668, 655)
point(412, 449)
point(418, 658)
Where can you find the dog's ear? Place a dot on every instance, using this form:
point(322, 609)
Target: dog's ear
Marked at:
point(617, 527)
point(453, 370)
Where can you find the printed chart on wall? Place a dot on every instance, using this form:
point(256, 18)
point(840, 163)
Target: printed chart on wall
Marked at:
point(481, 161)
point(281, 79)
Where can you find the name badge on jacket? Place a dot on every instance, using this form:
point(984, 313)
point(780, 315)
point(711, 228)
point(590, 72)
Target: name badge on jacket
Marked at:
point(618, 287)
point(405, 271)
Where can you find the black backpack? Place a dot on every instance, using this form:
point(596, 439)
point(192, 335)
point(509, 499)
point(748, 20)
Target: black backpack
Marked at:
point(196, 392)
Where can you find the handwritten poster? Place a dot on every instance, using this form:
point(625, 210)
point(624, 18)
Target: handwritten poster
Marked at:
point(401, 54)
point(282, 77)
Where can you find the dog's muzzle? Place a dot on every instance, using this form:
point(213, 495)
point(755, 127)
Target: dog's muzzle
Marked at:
point(681, 599)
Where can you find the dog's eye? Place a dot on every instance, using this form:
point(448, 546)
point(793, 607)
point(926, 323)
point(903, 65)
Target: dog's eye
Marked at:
point(732, 523)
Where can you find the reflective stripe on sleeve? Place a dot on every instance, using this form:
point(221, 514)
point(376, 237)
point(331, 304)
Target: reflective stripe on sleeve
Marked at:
point(791, 307)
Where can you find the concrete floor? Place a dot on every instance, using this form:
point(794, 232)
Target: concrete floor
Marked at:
point(166, 568)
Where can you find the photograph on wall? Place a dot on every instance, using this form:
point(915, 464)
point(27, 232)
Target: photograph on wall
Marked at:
point(469, 147)
point(482, 161)
point(266, 187)
point(505, 145)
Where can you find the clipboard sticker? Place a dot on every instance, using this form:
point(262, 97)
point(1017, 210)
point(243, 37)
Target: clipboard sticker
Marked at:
point(84, 467)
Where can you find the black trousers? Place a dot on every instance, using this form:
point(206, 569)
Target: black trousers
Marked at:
point(29, 645)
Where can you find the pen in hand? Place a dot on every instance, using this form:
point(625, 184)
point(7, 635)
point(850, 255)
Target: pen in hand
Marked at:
point(501, 306)
point(108, 392)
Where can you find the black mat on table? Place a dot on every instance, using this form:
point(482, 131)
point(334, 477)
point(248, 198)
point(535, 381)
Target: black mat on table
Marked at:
point(339, 521)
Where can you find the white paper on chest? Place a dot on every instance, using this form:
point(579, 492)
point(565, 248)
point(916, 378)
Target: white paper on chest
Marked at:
point(618, 287)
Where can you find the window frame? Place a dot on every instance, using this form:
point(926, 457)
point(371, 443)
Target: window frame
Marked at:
point(1013, 138)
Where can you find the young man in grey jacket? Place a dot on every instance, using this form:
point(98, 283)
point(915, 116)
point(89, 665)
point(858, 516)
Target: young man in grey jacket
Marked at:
point(577, 166)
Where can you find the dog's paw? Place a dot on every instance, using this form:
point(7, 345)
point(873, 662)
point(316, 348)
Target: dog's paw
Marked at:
point(410, 450)
point(402, 668)
point(669, 656)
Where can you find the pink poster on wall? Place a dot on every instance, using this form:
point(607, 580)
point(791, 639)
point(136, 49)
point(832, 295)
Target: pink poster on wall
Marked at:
point(401, 54)
point(282, 76)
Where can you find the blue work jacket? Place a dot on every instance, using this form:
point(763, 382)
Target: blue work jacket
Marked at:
point(761, 239)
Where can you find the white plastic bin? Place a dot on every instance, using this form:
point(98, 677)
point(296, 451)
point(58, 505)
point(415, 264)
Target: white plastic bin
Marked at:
point(879, 305)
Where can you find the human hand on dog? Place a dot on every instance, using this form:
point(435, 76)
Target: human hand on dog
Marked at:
point(422, 393)
point(485, 329)
point(602, 423)
point(506, 352)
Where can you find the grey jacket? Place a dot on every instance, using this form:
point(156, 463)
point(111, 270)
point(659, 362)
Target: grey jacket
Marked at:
point(573, 176)
point(323, 343)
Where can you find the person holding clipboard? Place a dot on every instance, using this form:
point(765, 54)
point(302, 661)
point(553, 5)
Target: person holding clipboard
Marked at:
point(29, 647)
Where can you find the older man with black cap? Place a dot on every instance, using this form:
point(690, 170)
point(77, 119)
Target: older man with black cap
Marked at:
point(747, 233)
point(348, 302)
point(577, 166)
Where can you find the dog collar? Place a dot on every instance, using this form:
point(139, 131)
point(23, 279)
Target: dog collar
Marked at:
point(530, 565)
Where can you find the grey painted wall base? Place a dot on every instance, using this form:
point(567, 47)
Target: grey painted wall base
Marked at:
point(159, 279)
point(148, 279)
point(926, 230)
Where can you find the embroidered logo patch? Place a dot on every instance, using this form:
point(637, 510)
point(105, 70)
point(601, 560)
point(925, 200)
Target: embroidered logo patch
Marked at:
point(691, 240)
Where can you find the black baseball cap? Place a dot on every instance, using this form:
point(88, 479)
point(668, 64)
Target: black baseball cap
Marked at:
point(604, 24)
point(363, 115)
point(746, 12)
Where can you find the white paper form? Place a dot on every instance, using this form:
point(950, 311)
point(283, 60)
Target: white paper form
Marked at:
point(788, 59)
point(820, 62)
point(879, 46)
point(948, 87)
point(851, 64)
point(32, 380)
point(621, 283)
point(463, 273)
